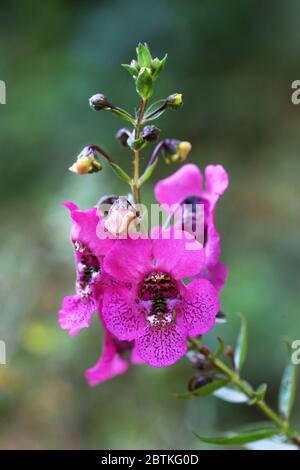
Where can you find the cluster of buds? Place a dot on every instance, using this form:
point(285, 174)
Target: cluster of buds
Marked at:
point(87, 162)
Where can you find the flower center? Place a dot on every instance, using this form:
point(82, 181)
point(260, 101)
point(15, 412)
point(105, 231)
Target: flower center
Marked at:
point(159, 291)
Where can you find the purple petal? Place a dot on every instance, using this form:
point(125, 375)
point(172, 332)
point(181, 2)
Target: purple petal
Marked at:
point(120, 314)
point(161, 347)
point(76, 313)
point(109, 364)
point(199, 307)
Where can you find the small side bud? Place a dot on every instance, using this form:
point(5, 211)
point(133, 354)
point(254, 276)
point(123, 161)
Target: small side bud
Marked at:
point(122, 136)
point(150, 133)
point(198, 381)
point(174, 101)
point(87, 162)
point(99, 101)
point(175, 151)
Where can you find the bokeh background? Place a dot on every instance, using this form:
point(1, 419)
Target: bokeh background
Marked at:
point(234, 63)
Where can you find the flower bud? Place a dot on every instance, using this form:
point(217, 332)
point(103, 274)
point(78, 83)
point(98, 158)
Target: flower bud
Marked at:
point(183, 149)
point(174, 101)
point(198, 381)
point(176, 151)
point(150, 133)
point(99, 101)
point(122, 136)
point(120, 217)
point(87, 162)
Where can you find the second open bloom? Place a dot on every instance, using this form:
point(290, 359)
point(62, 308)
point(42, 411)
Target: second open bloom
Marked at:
point(152, 305)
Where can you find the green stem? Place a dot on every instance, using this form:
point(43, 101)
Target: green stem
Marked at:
point(242, 385)
point(136, 162)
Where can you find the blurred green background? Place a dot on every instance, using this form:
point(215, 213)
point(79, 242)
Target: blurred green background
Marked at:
point(234, 63)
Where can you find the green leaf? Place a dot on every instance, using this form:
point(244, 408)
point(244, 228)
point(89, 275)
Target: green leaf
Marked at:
point(220, 348)
point(152, 108)
point(261, 392)
point(242, 437)
point(203, 391)
point(143, 55)
point(120, 173)
point(132, 70)
point(231, 395)
point(148, 172)
point(241, 345)
point(159, 67)
point(143, 83)
point(122, 114)
point(287, 390)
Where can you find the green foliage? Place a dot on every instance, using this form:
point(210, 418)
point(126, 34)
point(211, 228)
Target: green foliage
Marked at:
point(239, 438)
point(287, 392)
point(241, 346)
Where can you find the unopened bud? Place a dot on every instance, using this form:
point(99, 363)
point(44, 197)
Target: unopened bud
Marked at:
point(87, 162)
point(176, 151)
point(99, 101)
point(174, 101)
point(120, 217)
point(198, 381)
point(122, 136)
point(150, 133)
point(183, 149)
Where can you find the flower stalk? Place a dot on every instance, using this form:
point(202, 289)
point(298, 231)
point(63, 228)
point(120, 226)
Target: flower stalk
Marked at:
point(136, 162)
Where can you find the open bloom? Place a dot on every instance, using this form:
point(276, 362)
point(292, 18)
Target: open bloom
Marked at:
point(185, 187)
point(156, 309)
point(77, 310)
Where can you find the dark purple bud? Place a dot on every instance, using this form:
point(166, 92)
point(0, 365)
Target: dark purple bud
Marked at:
point(198, 381)
point(150, 133)
point(99, 101)
point(122, 136)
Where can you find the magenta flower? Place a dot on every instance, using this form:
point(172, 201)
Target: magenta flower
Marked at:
point(77, 310)
point(156, 309)
point(185, 186)
point(112, 363)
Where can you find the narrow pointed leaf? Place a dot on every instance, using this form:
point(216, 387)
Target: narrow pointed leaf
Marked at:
point(152, 108)
point(241, 346)
point(148, 172)
point(231, 395)
point(287, 390)
point(240, 438)
point(121, 173)
point(203, 391)
point(130, 69)
point(122, 114)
